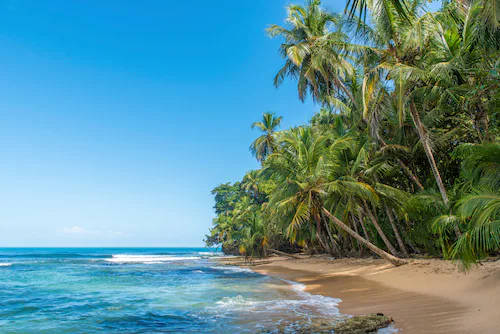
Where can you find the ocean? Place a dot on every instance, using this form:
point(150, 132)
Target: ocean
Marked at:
point(147, 290)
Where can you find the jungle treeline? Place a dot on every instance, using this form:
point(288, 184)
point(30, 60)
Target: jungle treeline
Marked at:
point(403, 157)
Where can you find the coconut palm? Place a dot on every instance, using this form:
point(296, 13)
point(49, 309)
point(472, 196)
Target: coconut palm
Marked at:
point(399, 48)
point(320, 57)
point(312, 50)
point(453, 42)
point(481, 210)
point(253, 237)
point(361, 6)
point(405, 150)
point(304, 172)
point(266, 143)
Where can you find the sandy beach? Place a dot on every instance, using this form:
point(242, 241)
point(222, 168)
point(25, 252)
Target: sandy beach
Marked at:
point(424, 296)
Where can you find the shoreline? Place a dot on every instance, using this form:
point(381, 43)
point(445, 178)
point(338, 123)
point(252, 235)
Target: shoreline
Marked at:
point(424, 296)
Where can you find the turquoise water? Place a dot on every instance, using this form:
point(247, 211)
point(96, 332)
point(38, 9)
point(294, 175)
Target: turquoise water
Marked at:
point(173, 290)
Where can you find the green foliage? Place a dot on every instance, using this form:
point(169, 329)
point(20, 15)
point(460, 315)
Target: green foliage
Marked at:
point(405, 150)
point(266, 143)
point(226, 197)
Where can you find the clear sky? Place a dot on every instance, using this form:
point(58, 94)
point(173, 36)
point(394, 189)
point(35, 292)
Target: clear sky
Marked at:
point(117, 118)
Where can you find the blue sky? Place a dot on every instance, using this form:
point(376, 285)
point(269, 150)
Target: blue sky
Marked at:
point(117, 118)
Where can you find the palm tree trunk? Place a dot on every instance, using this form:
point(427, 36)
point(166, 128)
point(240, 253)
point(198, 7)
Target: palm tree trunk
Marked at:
point(405, 168)
point(392, 259)
point(322, 242)
point(335, 250)
point(396, 232)
point(362, 222)
point(428, 152)
point(355, 225)
point(345, 90)
point(430, 156)
point(274, 251)
point(379, 229)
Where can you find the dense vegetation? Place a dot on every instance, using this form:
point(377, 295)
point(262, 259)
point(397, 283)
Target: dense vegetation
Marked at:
point(404, 156)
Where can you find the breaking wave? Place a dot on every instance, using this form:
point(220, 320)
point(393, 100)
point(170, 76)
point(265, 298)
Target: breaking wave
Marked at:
point(148, 259)
point(229, 269)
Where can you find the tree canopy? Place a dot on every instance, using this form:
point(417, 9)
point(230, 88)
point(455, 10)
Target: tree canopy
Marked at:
point(404, 156)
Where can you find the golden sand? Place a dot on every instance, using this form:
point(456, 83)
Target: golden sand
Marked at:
point(424, 296)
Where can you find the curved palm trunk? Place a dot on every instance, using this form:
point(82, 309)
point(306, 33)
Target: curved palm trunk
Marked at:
point(274, 251)
point(355, 225)
point(392, 259)
point(345, 90)
point(379, 230)
point(396, 232)
point(362, 222)
point(322, 243)
point(405, 168)
point(335, 250)
point(430, 156)
point(428, 152)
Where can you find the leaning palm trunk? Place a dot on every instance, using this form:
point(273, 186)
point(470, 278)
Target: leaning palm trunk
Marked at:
point(428, 152)
point(427, 148)
point(355, 225)
point(274, 251)
point(392, 259)
point(379, 230)
point(322, 243)
point(335, 250)
point(396, 232)
point(406, 169)
point(362, 222)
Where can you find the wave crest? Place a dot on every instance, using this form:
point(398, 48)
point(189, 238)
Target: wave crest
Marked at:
point(147, 259)
point(228, 269)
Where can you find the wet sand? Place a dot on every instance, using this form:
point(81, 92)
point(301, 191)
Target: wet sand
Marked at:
point(425, 296)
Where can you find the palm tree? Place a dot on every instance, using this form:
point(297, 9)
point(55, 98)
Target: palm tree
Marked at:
point(253, 237)
point(312, 50)
point(414, 103)
point(400, 61)
point(481, 210)
point(361, 6)
point(319, 55)
point(304, 172)
point(266, 143)
point(250, 183)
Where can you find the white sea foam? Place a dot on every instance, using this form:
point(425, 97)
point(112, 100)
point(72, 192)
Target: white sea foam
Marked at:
point(148, 259)
point(238, 301)
point(312, 306)
point(211, 254)
point(5, 264)
point(330, 304)
point(229, 269)
point(388, 330)
point(303, 305)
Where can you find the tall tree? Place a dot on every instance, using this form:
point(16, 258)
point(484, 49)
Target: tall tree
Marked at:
point(305, 174)
point(266, 143)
